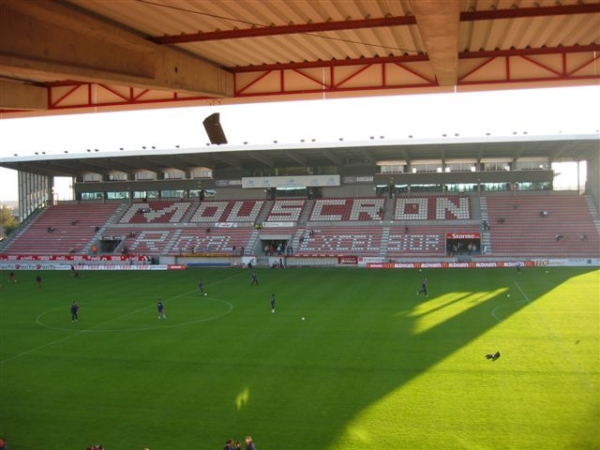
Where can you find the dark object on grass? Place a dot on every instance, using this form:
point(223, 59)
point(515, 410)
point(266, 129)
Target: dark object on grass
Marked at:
point(493, 356)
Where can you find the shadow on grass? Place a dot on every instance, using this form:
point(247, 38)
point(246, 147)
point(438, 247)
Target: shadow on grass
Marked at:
point(401, 356)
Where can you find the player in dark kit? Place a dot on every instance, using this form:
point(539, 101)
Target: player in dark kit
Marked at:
point(38, 280)
point(161, 309)
point(74, 311)
point(272, 303)
point(200, 286)
point(254, 278)
point(423, 287)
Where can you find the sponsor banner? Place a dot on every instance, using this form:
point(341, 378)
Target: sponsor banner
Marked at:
point(49, 266)
point(459, 265)
point(380, 266)
point(277, 262)
point(452, 265)
point(73, 258)
point(175, 267)
point(278, 224)
point(516, 263)
point(227, 183)
point(225, 225)
point(358, 180)
point(347, 260)
point(463, 235)
point(291, 182)
point(486, 264)
point(371, 259)
point(248, 260)
point(405, 266)
point(124, 267)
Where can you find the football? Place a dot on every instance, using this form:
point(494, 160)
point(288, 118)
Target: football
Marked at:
point(205, 294)
point(303, 318)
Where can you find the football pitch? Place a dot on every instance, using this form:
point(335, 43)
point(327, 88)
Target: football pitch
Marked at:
point(351, 359)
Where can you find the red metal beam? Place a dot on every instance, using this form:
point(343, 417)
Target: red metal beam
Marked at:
point(254, 81)
point(416, 58)
point(530, 51)
point(514, 13)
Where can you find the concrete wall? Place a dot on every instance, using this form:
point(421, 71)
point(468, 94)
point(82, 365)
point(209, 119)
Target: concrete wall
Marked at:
point(592, 186)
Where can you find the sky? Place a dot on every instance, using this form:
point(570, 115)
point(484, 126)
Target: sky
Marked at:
point(502, 113)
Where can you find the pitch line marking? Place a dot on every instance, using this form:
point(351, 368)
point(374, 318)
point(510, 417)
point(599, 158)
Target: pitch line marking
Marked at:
point(77, 333)
point(567, 354)
point(98, 329)
point(497, 308)
point(58, 340)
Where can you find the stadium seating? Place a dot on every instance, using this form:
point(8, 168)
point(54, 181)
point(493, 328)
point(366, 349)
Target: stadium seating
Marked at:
point(348, 209)
point(339, 240)
point(286, 210)
point(423, 240)
point(62, 229)
point(158, 211)
point(450, 207)
point(542, 225)
point(233, 211)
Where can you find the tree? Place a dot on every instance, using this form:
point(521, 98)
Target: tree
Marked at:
point(7, 220)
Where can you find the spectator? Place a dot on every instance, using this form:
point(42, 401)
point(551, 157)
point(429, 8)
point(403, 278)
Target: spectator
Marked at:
point(584, 237)
point(249, 443)
point(559, 237)
point(544, 213)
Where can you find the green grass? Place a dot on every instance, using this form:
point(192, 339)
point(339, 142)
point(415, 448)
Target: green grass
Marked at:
point(372, 366)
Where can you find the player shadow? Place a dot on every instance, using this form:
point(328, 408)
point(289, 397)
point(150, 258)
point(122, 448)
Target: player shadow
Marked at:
point(446, 304)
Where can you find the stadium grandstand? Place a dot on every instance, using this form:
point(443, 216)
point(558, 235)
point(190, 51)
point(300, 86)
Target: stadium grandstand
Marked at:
point(359, 215)
point(380, 201)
